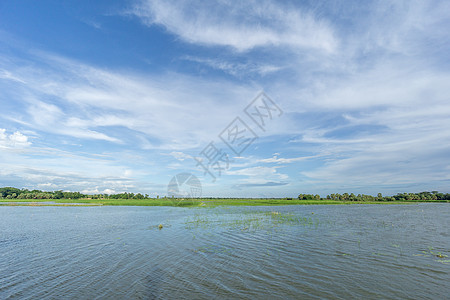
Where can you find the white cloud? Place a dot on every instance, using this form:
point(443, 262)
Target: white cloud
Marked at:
point(406, 27)
point(395, 84)
point(180, 155)
point(4, 74)
point(14, 140)
point(280, 160)
point(51, 118)
point(259, 175)
point(97, 190)
point(241, 25)
point(92, 23)
point(169, 110)
point(411, 149)
point(46, 186)
point(109, 191)
point(392, 84)
point(56, 170)
point(238, 70)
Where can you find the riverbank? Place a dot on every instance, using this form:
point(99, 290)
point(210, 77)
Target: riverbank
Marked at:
point(198, 202)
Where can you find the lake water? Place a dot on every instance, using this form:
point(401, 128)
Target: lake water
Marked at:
point(288, 252)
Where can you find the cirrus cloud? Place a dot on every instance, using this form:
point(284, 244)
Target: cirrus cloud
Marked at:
point(241, 25)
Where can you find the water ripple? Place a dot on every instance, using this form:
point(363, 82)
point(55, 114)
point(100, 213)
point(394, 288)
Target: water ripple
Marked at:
point(116, 252)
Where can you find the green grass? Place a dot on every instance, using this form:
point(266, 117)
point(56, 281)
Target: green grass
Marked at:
point(202, 202)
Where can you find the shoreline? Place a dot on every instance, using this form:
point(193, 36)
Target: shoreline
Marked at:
point(201, 202)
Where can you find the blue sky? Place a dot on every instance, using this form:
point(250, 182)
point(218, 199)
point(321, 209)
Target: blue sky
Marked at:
point(114, 96)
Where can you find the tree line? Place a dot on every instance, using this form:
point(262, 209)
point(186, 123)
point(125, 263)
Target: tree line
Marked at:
point(422, 196)
point(15, 193)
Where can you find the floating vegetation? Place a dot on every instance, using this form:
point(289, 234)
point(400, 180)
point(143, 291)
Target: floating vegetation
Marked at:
point(250, 220)
point(384, 254)
point(198, 221)
point(431, 253)
point(159, 226)
point(340, 253)
point(437, 254)
point(444, 261)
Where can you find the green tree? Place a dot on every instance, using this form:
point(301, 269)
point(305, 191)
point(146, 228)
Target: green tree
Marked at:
point(58, 195)
point(138, 196)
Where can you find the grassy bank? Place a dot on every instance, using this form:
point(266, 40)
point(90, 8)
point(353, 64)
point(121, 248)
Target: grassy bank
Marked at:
point(204, 202)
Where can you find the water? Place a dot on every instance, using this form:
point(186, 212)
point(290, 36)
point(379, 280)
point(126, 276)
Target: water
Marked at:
point(339, 252)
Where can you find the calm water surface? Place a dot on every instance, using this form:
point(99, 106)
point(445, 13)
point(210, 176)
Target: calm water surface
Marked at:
point(289, 252)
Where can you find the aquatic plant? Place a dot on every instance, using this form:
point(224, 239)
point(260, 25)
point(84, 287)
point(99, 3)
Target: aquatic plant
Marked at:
point(250, 220)
point(430, 253)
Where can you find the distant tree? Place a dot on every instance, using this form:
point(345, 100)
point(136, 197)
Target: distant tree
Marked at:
point(138, 196)
point(58, 195)
point(4, 192)
point(307, 197)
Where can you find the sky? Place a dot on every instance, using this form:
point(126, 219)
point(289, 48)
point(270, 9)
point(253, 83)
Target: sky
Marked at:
point(254, 98)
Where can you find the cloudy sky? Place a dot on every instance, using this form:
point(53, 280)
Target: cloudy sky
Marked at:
point(114, 96)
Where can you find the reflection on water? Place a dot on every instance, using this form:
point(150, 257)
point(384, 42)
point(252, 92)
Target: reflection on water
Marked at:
point(359, 251)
